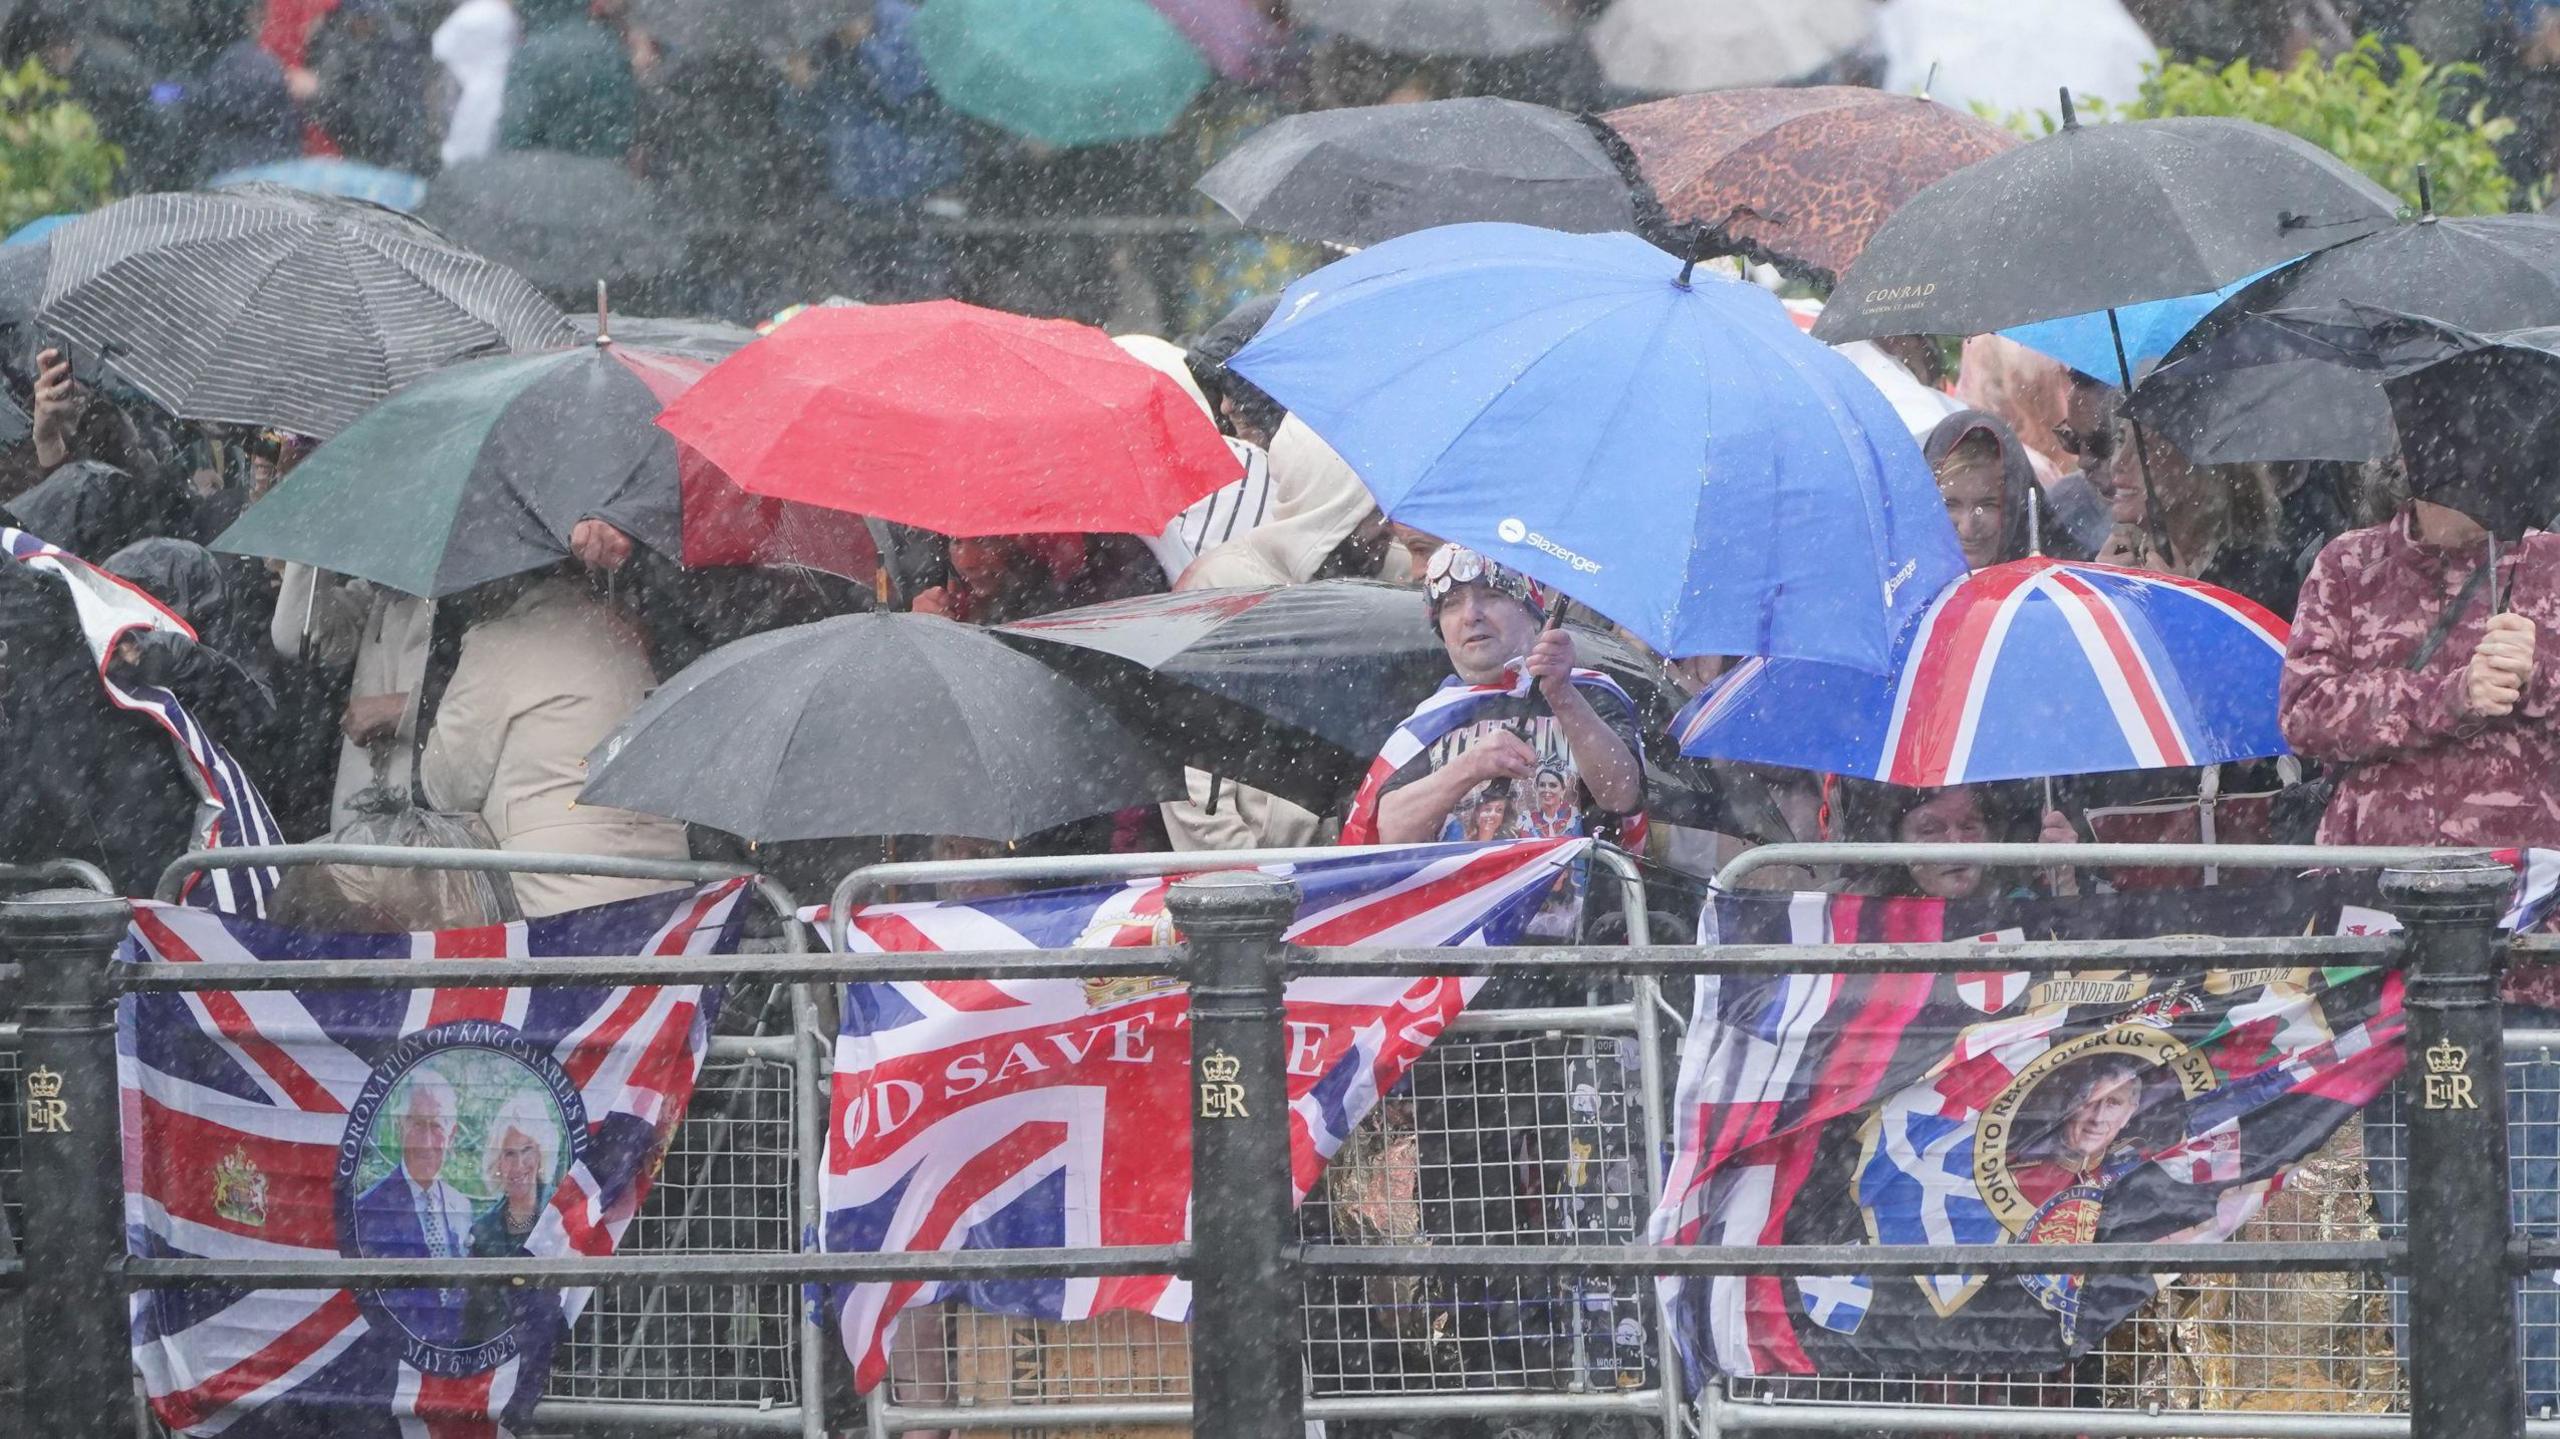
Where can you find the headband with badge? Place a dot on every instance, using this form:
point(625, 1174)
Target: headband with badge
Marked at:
point(1453, 565)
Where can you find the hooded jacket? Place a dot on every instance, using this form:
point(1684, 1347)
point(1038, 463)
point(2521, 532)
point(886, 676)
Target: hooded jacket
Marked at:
point(1317, 500)
point(2017, 485)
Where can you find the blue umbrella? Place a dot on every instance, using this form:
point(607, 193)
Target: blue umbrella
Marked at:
point(1670, 450)
point(326, 175)
point(2151, 329)
point(2034, 667)
point(36, 229)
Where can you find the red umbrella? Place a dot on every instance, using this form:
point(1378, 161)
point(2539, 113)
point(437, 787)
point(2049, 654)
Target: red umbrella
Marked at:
point(956, 419)
point(1799, 177)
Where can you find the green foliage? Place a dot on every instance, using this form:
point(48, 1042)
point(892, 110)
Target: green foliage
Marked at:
point(52, 158)
point(2384, 112)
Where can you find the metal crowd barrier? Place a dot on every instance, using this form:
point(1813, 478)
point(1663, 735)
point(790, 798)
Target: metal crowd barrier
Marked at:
point(1248, 1267)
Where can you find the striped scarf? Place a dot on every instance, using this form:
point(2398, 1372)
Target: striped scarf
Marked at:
point(1454, 706)
point(232, 812)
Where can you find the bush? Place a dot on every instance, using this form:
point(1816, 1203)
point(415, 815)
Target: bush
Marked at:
point(2384, 112)
point(52, 159)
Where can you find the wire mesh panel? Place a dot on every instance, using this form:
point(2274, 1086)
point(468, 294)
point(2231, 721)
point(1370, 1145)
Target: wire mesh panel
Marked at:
point(11, 1191)
point(726, 1187)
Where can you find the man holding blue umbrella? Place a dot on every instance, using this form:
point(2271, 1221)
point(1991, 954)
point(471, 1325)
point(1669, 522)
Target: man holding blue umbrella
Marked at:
point(1516, 712)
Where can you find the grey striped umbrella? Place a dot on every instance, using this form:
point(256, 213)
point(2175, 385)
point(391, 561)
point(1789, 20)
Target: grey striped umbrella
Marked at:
point(266, 306)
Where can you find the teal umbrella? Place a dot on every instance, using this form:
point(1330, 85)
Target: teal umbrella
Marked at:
point(1062, 72)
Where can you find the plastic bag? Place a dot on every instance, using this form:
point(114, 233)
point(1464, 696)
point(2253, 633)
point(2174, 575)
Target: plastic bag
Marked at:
point(371, 899)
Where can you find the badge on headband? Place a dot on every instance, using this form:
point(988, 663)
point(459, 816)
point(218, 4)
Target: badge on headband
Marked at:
point(1454, 565)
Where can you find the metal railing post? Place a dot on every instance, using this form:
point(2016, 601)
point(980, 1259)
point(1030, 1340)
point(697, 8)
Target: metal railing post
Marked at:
point(2465, 1377)
point(1246, 1380)
point(78, 1354)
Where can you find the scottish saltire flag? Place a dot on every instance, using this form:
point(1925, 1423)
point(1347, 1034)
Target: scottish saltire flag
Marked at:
point(2034, 667)
point(1998, 1107)
point(234, 813)
point(392, 1123)
point(982, 1114)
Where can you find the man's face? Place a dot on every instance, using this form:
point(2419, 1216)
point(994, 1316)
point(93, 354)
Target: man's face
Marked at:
point(1976, 496)
point(2092, 435)
point(1484, 630)
point(2091, 1129)
point(426, 1132)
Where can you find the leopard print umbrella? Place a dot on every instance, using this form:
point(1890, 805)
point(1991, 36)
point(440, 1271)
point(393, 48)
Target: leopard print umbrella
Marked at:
point(1799, 178)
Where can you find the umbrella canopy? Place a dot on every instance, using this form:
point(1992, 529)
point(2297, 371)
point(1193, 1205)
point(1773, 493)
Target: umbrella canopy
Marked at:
point(1672, 451)
point(709, 341)
point(265, 306)
point(874, 724)
point(2009, 56)
point(2234, 389)
point(1481, 29)
point(2034, 667)
point(1062, 72)
point(1237, 36)
point(1288, 689)
point(2097, 216)
point(562, 221)
point(1668, 47)
point(481, 471)
point(331, 175)
point(1799, 178)
point(2089, 343)
point(1358, 176)
point(37, 228)
point(956, 419)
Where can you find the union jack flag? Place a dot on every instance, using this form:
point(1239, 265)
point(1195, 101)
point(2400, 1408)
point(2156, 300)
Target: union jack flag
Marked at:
point(389, 1123)
point(982, 1114)
point(2029, 668)
point(1451, 708)
point(235, 814)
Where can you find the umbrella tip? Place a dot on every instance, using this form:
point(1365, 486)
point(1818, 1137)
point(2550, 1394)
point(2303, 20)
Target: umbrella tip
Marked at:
point(1929, 82)
point(1697, 252)
point(2070, 117)
point(604, 318)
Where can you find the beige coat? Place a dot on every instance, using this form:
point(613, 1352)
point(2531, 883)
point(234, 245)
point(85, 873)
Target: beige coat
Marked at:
point(536, 689)
point(382, 634)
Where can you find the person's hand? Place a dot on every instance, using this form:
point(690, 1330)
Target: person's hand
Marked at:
point(371, 718)
point(1501, 755)
point(56, 407)
point(1550, 663)
point(301, 84)
point(935, 601)
point(2060, 879)
point(599, 546)
point(2500, 667)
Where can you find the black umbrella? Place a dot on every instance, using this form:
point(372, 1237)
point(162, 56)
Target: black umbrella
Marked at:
point(1480, 29)
point(1356, 177)
point(874, 724)
point(1289, 689)
point(2240, 388)
point(562, 221)
point(2094, 217)
point(260, 305)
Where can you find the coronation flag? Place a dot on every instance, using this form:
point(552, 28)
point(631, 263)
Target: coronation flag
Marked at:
point(977, 1114)
point(392, 1123)
point(1998, 1107)
point(234, 813)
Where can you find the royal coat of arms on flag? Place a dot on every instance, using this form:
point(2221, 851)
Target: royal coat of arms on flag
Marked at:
point(1999, 1108)
point(1055, 1112)
point(393, 1124)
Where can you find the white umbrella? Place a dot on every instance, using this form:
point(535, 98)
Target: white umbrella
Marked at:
point(2009, 56)
point(1670, 47)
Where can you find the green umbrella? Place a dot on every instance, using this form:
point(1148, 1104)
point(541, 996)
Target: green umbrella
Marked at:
point(1062, 72)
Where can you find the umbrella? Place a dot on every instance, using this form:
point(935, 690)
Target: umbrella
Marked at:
point(710, 341)
point(1799, 178)
point(330, 175)
point(1666, 47)
point(1061, 72)
point(36, 229)
point(562, 221)
point(2087, 343)
point(480, 471)
point(1675, 454)
point(2097, 216)
point(2034, 667)
point(874, 724)
point(265, 306)
point(1288, 689)
point(1355, 177)
point(2008, 56)
point(1478, 29)
point(2235, 389)
point(956, 419)
point(1237, 36)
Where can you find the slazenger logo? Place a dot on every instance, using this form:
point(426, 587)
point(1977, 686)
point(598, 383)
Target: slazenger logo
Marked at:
point(1898, 579)
point(1515, 533)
